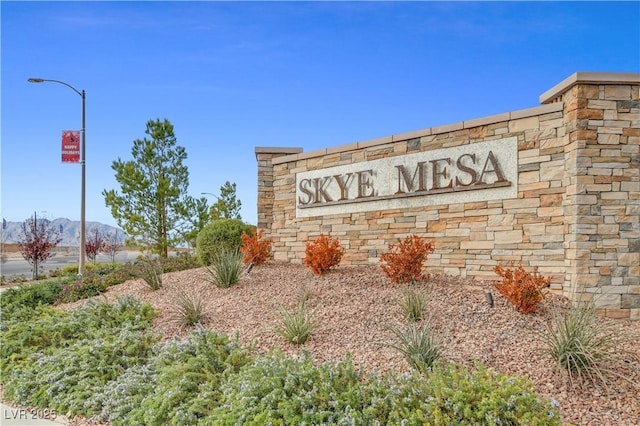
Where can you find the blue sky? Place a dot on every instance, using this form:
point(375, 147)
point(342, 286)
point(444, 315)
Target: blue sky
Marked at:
point(231, 76)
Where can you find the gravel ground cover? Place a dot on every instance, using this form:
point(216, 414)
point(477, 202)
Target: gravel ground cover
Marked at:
point(354, 307)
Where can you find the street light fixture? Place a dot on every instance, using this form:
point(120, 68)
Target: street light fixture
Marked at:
point(81, 260)
point(209, 193)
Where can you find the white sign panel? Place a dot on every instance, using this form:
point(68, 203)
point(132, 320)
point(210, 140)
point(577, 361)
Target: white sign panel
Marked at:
point(462, 174)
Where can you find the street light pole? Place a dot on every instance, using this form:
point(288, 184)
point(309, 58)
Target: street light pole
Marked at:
point(83, 163)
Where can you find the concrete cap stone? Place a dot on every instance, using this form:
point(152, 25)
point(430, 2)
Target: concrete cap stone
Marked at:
point(588, 78)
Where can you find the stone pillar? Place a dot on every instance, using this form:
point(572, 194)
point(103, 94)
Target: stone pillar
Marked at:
point(265, 182)
point(602, 119)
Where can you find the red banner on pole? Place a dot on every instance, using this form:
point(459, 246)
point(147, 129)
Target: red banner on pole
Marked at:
point(70, 146)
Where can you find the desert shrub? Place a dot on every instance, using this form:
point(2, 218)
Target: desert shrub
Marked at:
point(65, 289)
point(55, 273)
point(25, 330)
point(582, 344)
point(100, 268)
point(180, 262)
point(66, 379)
point(32, 295)
point(455, 395)
point(218, 235)
point(275, 389)
point(150, 270)
point(255, 248)
point(188, 309)
point(117, 398)
point(226, 268)
point(419, 344)
point(96, 280)
point(75, 354)
point(414, 303)
point(404, 261)
point(70, 269)
point(101, 360)
point(296, 326)
point(279, 390)
point(188, 375)
point(322, 254)
point(82, 289)
point(523, 289)
point(119, 273)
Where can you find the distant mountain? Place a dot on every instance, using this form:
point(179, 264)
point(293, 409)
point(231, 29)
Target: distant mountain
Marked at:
point(70, 231)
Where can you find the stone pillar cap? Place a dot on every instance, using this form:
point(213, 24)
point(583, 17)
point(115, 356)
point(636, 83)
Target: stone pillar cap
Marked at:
point(589, 78)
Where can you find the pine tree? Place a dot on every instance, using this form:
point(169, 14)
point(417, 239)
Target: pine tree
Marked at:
point(227, 205)
point(153, 206)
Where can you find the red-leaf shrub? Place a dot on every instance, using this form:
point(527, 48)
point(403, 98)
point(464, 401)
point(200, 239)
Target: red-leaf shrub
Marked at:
point(37, 242)
point(323, 253)
point(523, 289)
point(255, 248)
point(404, 262)
point(95, 244)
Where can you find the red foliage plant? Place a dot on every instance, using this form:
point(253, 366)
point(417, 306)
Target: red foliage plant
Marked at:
point(523, 289)
point(94, 245)
point(322, 254)
point(38, 240)
point(112, 246)
point(404, 262)
point(255, 248)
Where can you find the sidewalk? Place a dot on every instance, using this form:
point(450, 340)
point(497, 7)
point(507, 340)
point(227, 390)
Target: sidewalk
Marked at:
point(10, 416)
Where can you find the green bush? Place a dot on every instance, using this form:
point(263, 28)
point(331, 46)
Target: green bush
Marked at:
point(218, 235)
point(454, 395)
point(180, 262)
point(71, 269)
point(55, 273)
point(58, 360)
point(96, 280)
point(102, 360)
point(25, 330)
point(119, 273)
point(280, 390)
point(188, 375)
point(82, 289)
point(34, 294)
point(118, 398)
point(275, 389)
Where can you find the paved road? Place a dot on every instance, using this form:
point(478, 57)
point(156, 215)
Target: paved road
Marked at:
point(17, 266)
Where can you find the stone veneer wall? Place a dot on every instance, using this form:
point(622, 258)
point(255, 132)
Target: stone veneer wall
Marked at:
point(576, 216)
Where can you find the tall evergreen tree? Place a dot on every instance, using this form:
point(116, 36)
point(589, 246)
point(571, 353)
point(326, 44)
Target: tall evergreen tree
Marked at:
point(227, 206)
point(153, 205)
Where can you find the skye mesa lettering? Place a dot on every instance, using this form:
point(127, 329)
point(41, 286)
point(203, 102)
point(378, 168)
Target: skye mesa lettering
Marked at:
point(406, 178)
point(314, 191)
point(443, 172)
